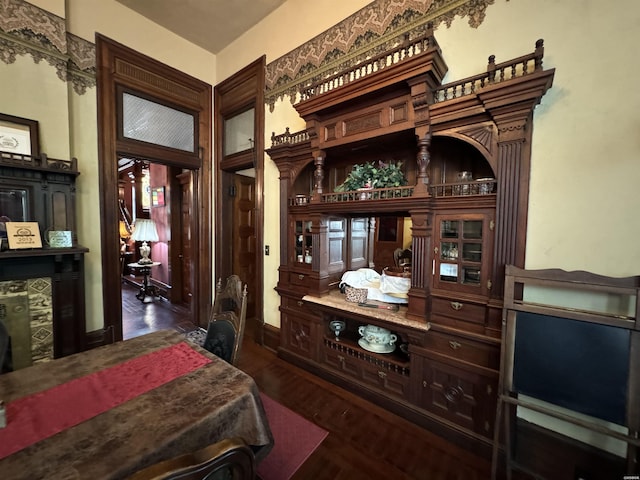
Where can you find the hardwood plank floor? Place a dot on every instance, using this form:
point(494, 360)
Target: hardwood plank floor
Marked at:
point(365, 442)
point(151, 315)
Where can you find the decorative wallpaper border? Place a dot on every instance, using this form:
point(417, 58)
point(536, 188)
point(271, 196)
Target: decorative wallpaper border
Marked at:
point(28, 30)
point(378, 27)
point(374, 29)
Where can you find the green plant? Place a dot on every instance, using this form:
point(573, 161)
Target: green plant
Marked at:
point(373, 175)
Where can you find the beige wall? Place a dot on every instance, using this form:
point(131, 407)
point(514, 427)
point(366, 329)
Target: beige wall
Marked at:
point(112, 19)
point(585, 172)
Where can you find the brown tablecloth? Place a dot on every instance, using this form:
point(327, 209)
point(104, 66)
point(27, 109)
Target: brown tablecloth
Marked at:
point(211, 403)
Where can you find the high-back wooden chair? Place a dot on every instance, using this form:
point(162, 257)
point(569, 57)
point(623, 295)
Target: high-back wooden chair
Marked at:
point(229, 459)
point(402, 257)
point(227, 320)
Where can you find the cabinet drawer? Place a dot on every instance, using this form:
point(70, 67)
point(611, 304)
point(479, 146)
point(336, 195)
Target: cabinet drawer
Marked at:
point(296, 305)
point(464, 349)
point(468, 312)
point(387, 380)
point(299, 279)
point(341, 361)
point(380, 376)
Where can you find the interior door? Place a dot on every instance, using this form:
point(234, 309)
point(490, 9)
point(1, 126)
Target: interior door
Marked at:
point(244, 237)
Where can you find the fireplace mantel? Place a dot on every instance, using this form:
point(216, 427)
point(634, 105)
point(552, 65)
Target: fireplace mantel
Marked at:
point(65, 267)
point(46, 189)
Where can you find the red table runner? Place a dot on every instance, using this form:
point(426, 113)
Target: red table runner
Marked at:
point(43, 414)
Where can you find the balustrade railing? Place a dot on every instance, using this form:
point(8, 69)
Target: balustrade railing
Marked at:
point(289, 138)
point(367, 194)
point(41, 162)
point(407, 48)
point(469, 187)
point(496, 73)
point(483, 186)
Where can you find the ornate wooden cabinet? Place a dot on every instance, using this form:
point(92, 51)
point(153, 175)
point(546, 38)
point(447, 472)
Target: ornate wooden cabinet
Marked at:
point(43, 190)
point(465, 151)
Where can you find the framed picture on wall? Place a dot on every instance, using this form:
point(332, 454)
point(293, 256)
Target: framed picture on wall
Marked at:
point(157, 197)
point(19, 135)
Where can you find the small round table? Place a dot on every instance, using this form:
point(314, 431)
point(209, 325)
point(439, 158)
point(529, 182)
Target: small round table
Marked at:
point(145, 289)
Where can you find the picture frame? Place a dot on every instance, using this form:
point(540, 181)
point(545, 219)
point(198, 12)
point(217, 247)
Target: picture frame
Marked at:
point(59, 238)
point(23, 235)
point(19, 135)
point(157, 197)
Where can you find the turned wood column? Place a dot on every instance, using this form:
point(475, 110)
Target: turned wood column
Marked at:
point(421, 95)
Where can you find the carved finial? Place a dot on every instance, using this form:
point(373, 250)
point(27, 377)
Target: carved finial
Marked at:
point(539, 53)
point(491, 68)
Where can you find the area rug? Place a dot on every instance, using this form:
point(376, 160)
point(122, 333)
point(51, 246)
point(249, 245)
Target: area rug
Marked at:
point(295, 437)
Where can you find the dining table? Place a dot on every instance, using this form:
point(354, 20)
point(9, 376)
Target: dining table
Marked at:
point(110, 411)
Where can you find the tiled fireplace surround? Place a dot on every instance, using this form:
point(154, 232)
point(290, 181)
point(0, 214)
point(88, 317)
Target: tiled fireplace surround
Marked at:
point(26, 310)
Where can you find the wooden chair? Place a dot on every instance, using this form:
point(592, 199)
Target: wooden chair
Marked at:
point(402, 257)
point(229, 459)
point(227, 320)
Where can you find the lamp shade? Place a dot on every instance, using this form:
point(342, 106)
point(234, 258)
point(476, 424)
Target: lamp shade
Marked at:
point(145, 231)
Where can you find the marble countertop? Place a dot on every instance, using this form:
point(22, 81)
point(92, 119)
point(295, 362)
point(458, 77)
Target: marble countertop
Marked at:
point(336, 300)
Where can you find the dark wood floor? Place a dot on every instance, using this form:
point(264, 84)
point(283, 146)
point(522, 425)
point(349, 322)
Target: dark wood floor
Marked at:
point(153, 314)
point(365, 442)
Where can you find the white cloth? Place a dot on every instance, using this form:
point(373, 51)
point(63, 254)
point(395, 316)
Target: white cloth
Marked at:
point(370, 279)
point(394, 285)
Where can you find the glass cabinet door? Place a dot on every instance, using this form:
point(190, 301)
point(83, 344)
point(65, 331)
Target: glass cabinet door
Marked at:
point(303, 242)
point(460, 245)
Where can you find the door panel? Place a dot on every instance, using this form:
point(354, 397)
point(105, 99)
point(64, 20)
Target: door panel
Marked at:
point(244, 237)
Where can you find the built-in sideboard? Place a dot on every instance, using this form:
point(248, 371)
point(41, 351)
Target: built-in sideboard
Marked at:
point(465, 149)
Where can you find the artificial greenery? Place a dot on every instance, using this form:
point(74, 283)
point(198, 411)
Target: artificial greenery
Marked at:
point(373, 175)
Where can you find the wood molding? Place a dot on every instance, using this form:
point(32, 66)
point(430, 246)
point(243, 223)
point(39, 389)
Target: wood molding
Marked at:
point(110, 54)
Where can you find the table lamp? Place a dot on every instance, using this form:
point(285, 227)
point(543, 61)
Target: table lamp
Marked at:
point(145, 231)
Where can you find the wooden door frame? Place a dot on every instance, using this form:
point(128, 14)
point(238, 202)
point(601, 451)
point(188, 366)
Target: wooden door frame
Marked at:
point(241, 91)
point(121, 67)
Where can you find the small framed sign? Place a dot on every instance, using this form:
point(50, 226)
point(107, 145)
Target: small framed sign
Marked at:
point(23, 235)
point(60, 239)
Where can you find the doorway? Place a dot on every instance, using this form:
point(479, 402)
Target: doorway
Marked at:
point(162, 194)
point(239, 165)
point(126, 77)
